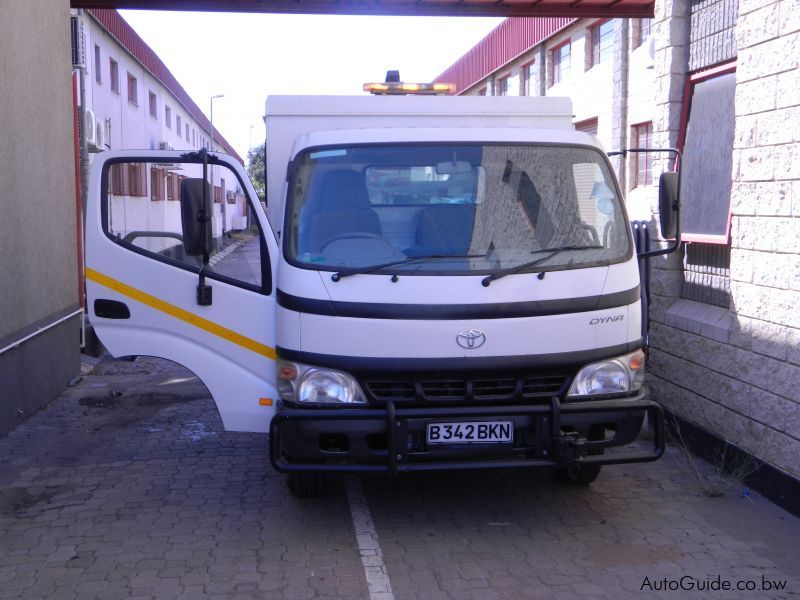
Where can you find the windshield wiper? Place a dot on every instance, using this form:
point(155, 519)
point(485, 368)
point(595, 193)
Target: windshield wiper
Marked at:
point(404, 261)
point(524, 266)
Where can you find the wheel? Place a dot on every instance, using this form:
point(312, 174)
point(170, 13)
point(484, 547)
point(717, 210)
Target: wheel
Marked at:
point(307, 485)
point(578, 474)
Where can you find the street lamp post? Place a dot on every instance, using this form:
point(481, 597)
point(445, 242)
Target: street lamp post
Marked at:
point(213, 149)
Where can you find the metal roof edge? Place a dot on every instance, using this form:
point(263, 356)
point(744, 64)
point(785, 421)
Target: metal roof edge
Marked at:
point(180, 94)
point(480, 54)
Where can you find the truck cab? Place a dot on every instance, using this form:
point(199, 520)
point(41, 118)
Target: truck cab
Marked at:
point(436, 283)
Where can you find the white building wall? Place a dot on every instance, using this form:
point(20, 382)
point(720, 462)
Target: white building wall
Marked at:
point(129, 125)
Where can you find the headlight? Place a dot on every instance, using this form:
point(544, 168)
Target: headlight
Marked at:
point(612, 376)
point(312, 385)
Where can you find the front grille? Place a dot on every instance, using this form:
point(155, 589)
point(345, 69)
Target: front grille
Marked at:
point(480, 388)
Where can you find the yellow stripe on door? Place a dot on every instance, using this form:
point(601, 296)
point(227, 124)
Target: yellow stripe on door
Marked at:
point(179, 313)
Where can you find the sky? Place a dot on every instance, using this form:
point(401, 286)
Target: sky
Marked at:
point(247, 57)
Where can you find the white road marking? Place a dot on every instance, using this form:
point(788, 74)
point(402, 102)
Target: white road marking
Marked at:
point(375, 572)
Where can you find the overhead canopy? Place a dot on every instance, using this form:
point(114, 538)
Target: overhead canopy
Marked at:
point(439, 8)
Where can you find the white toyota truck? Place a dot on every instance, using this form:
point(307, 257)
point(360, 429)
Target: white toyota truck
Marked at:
point(436, 283)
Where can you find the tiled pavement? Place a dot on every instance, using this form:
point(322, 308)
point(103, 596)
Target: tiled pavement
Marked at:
point(127, 487)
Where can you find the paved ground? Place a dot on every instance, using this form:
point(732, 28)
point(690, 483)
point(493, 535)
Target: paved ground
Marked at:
point(126, 486)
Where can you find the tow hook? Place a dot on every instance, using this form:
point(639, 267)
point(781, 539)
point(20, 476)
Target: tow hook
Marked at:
point(572, 445)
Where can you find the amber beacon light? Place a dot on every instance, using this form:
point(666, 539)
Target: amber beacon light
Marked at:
point(393, 85)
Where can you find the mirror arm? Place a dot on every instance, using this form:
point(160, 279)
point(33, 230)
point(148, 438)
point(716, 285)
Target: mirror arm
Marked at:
point(677, 206)
point(204, 292)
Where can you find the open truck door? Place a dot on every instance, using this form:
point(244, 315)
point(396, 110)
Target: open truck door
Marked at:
point(171, 274)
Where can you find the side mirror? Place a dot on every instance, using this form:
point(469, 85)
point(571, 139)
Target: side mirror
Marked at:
point(196, 216)
point(668, 204)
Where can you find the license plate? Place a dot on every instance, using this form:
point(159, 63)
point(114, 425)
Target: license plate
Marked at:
point(471, 432)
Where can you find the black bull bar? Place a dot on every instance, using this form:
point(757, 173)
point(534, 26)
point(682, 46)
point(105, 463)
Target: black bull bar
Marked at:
point(565, 448)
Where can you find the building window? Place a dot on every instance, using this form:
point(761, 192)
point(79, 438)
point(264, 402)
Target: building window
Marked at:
point(587, 126)
point(168, 116)
point(115, 180)
point(153, 102)
point(98, 76)
point(174, 186)
point(602, 42)
point(113, 71)
point(137, 179)
point(527, 80)
point(502, 86)
point(133, 90)
point(561, 62)
point(187, 132)
point(707, 141)
point(178, 124)
point(642, 138)
point(194, 138)
point(129, 179)
point(217, 195)
point(642, 32)
point(156, 185)
point(482, 91)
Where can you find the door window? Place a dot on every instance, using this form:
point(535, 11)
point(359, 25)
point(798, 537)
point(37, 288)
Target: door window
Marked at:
point(142, 211)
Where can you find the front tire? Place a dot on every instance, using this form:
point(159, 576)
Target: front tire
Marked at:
point(307, 485)
point(578, 474)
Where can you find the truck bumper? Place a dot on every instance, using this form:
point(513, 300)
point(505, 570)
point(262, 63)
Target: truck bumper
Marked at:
point(392, 439)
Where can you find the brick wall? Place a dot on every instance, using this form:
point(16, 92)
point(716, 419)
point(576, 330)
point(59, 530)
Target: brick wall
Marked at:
point(738, 376)
point(712, 32)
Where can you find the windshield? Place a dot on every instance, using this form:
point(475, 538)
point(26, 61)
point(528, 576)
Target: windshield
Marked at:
point(454, 208)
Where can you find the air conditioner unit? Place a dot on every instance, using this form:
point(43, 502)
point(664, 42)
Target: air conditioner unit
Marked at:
point(78, 42)
point(90, 129)
point(167, 165)
point(99, 134)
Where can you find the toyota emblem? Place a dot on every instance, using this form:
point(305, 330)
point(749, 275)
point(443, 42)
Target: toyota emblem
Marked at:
point(471, 339)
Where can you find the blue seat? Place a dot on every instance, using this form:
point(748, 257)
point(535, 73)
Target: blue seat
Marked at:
point(338, 206)
point(444, 229)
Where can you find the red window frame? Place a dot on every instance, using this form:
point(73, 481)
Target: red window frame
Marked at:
point(525, 78)
point(597, 41)
point(152, 100)
point(587, 125)
point(691, 80)
point(115, 180)
point(133, 90)
point(136, 180)
point(642, 134)
point(157, 185)
point(98, 75)
point(502, 86)
point(559, 71)
point(643, 32)
point(113, 73)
